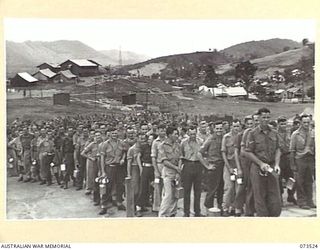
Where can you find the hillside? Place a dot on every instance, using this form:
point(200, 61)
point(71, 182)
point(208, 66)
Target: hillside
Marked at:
point(257, 49)
point(268, 64)
point(27, 55)
point(173, 63)
point(128, 57)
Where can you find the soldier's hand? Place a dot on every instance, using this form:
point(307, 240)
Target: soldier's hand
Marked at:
point(240, 173)
point(121, 162)
point(264, 167)
point(277, 169)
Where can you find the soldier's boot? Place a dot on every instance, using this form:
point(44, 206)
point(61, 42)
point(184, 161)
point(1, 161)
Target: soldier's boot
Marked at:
point(56, 175)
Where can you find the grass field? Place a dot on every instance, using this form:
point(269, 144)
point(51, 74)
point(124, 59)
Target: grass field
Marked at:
point(43, 108)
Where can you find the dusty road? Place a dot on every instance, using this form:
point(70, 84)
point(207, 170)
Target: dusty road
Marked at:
point(32, 201)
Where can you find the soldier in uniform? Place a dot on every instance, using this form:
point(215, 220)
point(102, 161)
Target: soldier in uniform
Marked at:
point(134, 166)
point(16, 148)
point(92, 154)
point(158, 166)
point(244, 193)
point(26, 139)
point(58, 140)
point(263, 150)
point(47, 151)
point(230, 185)
point(111, 159)
point(35, 156)
point(147, 176)
point(170, 156)
point(302, 162)
point(81, 160)
point(286, 171)
point(192, 171)
point(203, 131)
point(68, 156)
point(213, 164)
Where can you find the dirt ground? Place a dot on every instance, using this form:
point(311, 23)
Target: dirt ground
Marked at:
point(32, 201)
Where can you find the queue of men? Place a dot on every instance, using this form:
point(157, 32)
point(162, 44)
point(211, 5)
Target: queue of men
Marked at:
point(242, 167)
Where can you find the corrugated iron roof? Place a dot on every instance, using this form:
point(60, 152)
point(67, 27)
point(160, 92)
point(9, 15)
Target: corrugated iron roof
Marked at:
point(26, 76)
point(53, 65)
point(83, 62)
point(294, 89)
point(67, 74)
point(47, 72)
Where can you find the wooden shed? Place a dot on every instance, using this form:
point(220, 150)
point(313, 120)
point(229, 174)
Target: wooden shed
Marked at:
point(23, 79)
point(54, 67)
point(81, 67)
point(66, 76)
point(45, 75)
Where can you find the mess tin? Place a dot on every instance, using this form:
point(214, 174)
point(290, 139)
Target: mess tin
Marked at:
point(63, 167)
point(290, 183)
point(239, 180)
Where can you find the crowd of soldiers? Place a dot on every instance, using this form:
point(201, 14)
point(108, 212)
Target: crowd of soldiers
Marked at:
point(242, 166)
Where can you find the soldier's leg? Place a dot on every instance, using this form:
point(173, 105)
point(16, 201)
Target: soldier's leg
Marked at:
point(167, 198)
point(273, 197)
point(309, 182)
point(197, 188)
point(135, 175)
point(187, 182)
point(300, 182)
point(259, 187)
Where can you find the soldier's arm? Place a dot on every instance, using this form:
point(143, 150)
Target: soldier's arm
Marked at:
point(237, 160)
point(139, 162)
point(203, 149)
point(277, 156)
point(102, 158)
point(224, 155)
point(154, 160)
point(129, 162)
point(292, 149)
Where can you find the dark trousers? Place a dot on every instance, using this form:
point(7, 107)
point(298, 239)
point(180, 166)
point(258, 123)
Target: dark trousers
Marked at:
point(147, 176)
point(266, 191)
point(116, 175)
point(244, 192)
point(69, 161)
point(82, 168)
point(214, 184)
point(47, 159)
point(285, 173)
point(304, 180)
point(192, 176)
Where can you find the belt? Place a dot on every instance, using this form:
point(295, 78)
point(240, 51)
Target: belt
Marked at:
point(190, 161)
point(113, 165)
point(146, 164)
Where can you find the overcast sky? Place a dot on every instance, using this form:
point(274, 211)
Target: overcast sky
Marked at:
point(157, 37)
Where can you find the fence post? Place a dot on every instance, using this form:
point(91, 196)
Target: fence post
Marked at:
point(129, 197)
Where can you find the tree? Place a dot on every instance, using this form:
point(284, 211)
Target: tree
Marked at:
point(212, 78)
point(310, 92)
point(245, 71)
point(305, 41)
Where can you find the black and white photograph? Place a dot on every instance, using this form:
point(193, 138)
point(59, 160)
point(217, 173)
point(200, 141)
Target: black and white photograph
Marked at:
point(141, 118)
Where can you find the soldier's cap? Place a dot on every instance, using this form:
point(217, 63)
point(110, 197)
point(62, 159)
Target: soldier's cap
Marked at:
point(281, 119)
